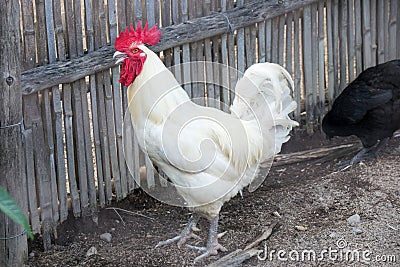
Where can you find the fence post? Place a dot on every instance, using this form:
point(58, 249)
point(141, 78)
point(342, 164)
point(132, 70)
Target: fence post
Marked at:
point(13, 251)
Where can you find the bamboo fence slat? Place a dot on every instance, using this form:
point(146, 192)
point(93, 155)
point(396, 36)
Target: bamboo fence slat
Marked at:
point(102, 23)
point(48, 131)
point(137, 10)
point(40, 148)
point(97, 140)
point(297, 63)
point(40, 30)
point(99, 24)
point(78, 113)
point(129, 11)
point(69, 118)
point(80, 147)
point(60, 153)
point(249, 49)
point(186, 52)
point(240, 44)
point(392, 36)
point(197, 91)
point(136, 159)
point(224, 74)
point(119, 129)
point(194, 47)
point(175, 12)
point(44, 183)
point(216, 70)
point(224, 68)
point(122, 15)
point(47, 118)
point(111, 134)
point(261, 43)
point(150, 12)
point(90, 44)
point(381, 32)
point(343, 44)
point(373, 31)
point(89, 26)
point(88, 150)
point(69, 142)
point(117, 103)
point(103, 137)
point(210, 87)
point(335, 47)
point(29, 59)
point(51, 45)
point(358, 37)
point(71, 25)
point(31, 183)
point(59, 30)
point(367, 41)
point(307, 66)
point(289, 43)
point(112, 20)
point(386, 23)
point(330, 41)
point(281, 40)
point(78, 28)
point(275, 41)
point(398, 31)
point(232, 64)
point(128, 151)
point(166, 20)
point(351, 54)
point(321, 59)
point(58, 114)
point(314, 60)
point(268, 40)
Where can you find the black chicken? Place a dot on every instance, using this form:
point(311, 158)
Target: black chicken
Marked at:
point(369, 108)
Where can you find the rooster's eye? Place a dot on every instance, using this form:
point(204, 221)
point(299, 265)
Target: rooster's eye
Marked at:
point(135, 50)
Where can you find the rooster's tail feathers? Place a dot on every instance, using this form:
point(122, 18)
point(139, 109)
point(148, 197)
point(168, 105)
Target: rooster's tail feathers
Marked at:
point(265, 94)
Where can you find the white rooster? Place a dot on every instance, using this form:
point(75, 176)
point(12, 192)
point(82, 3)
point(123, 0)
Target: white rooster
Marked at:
point(209, 155)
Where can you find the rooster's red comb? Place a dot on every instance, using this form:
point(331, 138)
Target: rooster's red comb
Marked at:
point(138, 36)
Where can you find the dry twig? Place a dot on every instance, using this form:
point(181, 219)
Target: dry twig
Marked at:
point(129, 212)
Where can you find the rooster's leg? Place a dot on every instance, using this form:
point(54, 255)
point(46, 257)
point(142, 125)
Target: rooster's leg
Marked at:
point(365, 153)
point(186, 234)
point(212, 244)
point(375, 152)
point(357, 158)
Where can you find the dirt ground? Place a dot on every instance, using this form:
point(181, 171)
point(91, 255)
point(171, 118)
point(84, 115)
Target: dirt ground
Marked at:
point(313, 201)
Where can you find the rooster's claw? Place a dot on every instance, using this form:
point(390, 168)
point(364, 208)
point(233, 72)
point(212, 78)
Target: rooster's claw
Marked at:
point(212, 250)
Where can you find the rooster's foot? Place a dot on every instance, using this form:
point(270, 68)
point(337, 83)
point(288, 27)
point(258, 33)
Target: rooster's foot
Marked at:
point(213, 246)
point(182, 239)
point(348, 163)
point(364, 154)
point(186, 234)
point(209, 250)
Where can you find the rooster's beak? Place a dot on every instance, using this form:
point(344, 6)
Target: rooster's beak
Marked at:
point(121, 55)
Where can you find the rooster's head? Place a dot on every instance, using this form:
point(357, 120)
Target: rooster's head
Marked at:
point(128, 49)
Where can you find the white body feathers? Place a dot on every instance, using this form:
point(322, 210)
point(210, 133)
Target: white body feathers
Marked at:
point(208, 154)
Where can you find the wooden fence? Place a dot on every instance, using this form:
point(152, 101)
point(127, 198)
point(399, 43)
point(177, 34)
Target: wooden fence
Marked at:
point(73, 105)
